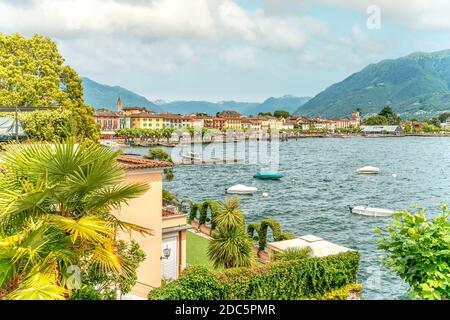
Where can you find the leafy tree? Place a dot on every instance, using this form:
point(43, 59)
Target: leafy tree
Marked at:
point(434, 122)
point(263, 114)
point(281, 114)
point(230, 246)
point(55, 201)
point(390, 115)
point(33, 73)
point(162, 155)
point(443, 117)
point(108, 283)
point(417, 250)
point(158, 154)
point(376, 121)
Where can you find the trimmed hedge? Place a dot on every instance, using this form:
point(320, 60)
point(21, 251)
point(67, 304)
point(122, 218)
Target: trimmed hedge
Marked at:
point(200, 209)
point(285, 280)
point(261, 230)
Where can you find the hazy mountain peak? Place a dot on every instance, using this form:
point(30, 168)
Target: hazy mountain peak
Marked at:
point(415, 84)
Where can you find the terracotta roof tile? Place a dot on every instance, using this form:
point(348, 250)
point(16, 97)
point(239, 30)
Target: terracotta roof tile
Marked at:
point(137, 163)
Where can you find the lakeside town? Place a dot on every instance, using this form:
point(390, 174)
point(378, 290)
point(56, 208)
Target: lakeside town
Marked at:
point(115, 124)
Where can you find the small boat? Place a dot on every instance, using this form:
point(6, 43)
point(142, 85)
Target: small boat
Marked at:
point(267, 175)
point(191, 156)
point(241, 189)
point(371, 212)
point(368, 170)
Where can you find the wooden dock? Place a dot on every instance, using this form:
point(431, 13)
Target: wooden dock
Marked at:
point(210, 161)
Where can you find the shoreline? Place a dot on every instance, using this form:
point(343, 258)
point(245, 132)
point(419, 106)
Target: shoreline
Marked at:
point(281, 138)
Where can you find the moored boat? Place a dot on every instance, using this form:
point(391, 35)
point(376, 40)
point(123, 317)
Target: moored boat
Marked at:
point(368, 170)
point(241, 189)
point(267, 175)
point(371, 212)
point(191, 156)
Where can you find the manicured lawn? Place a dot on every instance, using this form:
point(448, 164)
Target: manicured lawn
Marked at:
point(196, 248)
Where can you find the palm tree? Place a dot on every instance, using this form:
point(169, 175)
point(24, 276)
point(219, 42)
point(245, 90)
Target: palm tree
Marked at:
point(231, 246)
point(55, 203)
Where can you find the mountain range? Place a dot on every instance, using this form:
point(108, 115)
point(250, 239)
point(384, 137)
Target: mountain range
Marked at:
point(104, 96)
point(415, 85)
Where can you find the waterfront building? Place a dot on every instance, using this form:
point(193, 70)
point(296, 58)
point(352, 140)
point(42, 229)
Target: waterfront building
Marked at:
point(147, 120)
point(394, 130)
point(165, 249)
point(303, 123)
point(108, 121)
point(251, 123)
point(271, 123)
point(289, 124)
point(446, 124)
point(176, 121)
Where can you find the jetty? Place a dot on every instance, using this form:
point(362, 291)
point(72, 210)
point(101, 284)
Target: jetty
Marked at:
point(208, 161)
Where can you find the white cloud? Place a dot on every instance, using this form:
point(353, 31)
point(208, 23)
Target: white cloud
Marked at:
point(415, 14)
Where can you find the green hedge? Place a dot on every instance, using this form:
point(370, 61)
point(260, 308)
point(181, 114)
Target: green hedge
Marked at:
point(201, 209)
point(285, 280)
point(261, 230)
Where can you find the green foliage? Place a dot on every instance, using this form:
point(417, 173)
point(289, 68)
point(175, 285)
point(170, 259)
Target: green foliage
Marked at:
point(293, 254)
point(213, 207)
point(444, 116)
point(195, 283)
point(282, 280)
point(158, 154)
point(169, 198)
point(108, 283)
point(229, 214)
point(390, 115)
point(87, 292)
point(263, 114)
point(230, 245)
point(261, 230)
point(376, 121)
point(33, 74)
point(55, 201)
point(417, 250)
point(344, 292)
point(281, 114)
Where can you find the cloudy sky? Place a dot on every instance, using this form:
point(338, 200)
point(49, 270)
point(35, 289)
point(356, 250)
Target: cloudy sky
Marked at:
point(215, 50)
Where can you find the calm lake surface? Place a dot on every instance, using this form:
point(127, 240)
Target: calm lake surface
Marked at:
point(319, 184)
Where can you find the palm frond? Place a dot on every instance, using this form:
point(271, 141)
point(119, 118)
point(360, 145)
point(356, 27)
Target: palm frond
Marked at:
point(112, 197)
point(90, 228)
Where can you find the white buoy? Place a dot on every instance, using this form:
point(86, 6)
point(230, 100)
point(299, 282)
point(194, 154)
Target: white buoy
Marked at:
point(394, 175)
point(265, 194)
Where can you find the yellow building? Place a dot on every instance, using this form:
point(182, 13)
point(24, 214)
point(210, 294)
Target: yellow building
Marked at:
point(272, 123)
point(233, 123)
point(165, 249)
point(146, 120)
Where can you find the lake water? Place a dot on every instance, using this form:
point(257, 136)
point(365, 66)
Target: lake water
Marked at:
point(321, 182)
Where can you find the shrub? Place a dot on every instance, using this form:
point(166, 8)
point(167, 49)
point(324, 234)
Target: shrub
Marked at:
point(87, 292)
point(418, 250)
point(195, 283)
point(261, 230)
point(280, 280)
point(293, 254)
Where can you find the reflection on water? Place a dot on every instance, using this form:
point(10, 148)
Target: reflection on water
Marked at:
point(321, 183)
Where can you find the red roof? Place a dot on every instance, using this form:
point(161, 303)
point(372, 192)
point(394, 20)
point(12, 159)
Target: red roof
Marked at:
point(137, 163)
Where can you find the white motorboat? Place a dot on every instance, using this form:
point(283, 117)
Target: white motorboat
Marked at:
point(191, 156)
point(371, 212)
point(368, 170)
point(241, 189)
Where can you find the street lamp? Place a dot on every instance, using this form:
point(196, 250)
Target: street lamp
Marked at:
point(166, 253)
